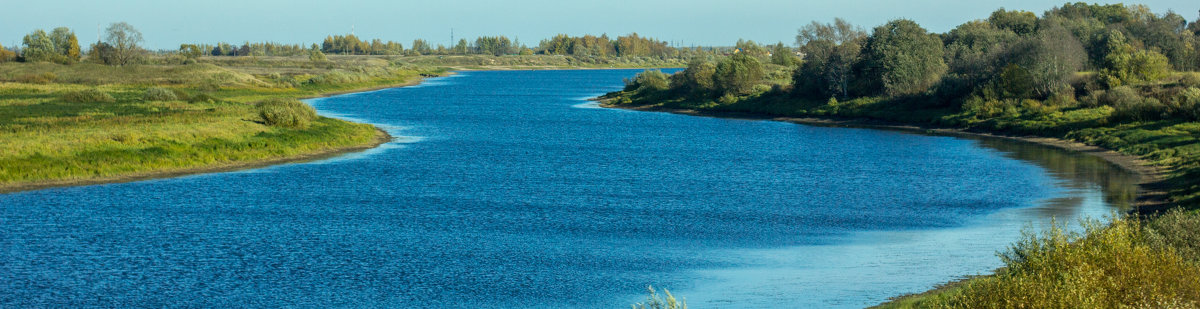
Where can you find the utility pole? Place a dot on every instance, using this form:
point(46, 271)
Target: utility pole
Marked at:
point(452, 37)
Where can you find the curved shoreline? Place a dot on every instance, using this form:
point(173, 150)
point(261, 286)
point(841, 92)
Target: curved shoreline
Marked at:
point(1151, 195)
point(381, 137)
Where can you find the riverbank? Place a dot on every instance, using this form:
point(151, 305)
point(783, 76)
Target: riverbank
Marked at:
point(208, 122)
point(1151, 195)
point(1154, 196)
point(382, 137)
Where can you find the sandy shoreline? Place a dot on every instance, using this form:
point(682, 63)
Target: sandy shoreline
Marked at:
point(1151, 194)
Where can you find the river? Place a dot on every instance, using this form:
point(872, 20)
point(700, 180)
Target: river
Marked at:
point(508, 189)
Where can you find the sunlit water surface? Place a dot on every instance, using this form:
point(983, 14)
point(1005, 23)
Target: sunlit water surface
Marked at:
point(507, 189)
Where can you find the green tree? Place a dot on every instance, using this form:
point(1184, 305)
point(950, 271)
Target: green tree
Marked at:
point(830, 53)
point(1052, 57)
point(315, 54)
point(697, 78)
point(904, 58)
point(494, 45)
point(1015, 82)
point(124, 40)
point(1019, 22)
point(65, 43)
point(461, 47)
point(38, 47)
point(738, 74)
point(6, 55)
point(783, 55)
point(421, 47)
point(975, 52)
point(190, 51)
point(1123, 64)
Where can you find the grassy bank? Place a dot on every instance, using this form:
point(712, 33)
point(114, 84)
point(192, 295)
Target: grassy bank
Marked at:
point(88, 123)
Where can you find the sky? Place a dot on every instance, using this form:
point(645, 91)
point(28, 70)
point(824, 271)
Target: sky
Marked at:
point(166, 24)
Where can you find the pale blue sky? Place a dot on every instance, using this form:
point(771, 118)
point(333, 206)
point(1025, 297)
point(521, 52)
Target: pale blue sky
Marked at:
point(167, 23)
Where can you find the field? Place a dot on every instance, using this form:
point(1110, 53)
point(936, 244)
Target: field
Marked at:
point(86, 123)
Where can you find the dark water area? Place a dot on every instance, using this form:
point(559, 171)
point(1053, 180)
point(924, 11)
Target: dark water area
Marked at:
point(508, 189)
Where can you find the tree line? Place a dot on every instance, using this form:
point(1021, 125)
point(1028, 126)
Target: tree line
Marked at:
point(1011, 55)
point(119, 47)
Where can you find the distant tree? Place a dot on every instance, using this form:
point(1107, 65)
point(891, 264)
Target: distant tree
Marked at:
point(830, 53)
point(783, 55)
point(738, 74)
point(697, 78)
point(421, 47)
point(461, 47)
point(190, 51)
point(1051, 57)
point(315, 54)
point(1019, 22)
point(975, 52)
point(124, 40)
point(6, 55)
point(1125, 64)
point(65, 43)
point(39, 47)
point(495, 45)
point(904, 58)
point(750, 47)
point(101, 53)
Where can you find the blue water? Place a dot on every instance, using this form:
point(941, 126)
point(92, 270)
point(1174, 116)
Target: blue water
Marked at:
point(508, 189)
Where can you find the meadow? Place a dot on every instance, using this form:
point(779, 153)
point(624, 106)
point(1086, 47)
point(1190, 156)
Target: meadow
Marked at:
point(86, 123)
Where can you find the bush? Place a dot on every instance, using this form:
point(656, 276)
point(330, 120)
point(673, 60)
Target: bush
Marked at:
point(1129, 105)
point(648, 81)
point(41, 78)
point(203, 98)
point(1176, 230)
point(88, 96)
point(1189, 103)
point(159, 94)
point(1062, 97)
point(1106, 267)
point(286, 113)
point(1190, 80)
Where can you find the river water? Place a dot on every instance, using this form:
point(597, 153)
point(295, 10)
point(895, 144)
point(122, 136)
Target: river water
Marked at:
point(509, 189)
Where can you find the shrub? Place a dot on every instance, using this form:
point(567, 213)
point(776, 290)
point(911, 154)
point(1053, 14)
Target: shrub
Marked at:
point(1190, 80)
point(203, 98)
point(1129, 105)
point(1062, 97)
point(40, 78)
point(648, 81)
point(159, 94)
point(1176, 230)
point(1105, 267)
point(6, 55)
point(286, 113)
point(88, 96)
point(1189, 103)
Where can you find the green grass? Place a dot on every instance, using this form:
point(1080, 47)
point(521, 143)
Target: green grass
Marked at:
point(58, 133)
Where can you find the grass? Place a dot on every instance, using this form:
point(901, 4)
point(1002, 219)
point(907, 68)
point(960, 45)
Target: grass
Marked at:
point(102, 122)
